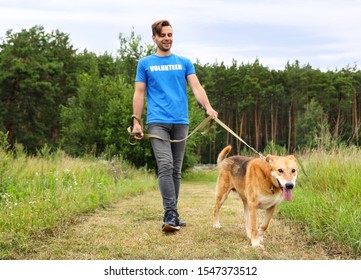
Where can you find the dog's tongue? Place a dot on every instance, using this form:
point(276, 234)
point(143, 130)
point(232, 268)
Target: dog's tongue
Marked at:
point(287, 194)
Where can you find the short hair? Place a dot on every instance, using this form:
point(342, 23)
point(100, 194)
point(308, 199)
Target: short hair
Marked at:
point(157, 26)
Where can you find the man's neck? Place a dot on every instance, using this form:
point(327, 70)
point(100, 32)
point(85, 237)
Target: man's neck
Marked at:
point(163, 53)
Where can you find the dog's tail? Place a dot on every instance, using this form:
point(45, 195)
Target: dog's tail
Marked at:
point(222, 155)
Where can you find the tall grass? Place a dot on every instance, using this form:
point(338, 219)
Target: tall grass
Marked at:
point(327, 201)
point(39, 195)
point(201, 174)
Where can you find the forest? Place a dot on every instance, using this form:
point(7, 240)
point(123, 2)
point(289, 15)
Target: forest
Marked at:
point(56, 97)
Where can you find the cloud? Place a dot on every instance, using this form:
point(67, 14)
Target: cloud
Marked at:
point(323, 33)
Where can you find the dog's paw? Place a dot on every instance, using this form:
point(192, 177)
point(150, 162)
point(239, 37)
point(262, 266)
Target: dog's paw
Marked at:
point(257, 244)
point(217, 225)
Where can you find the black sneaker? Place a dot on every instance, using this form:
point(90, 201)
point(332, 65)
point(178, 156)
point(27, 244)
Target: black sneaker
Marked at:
point(171, 222)
point(182, 223)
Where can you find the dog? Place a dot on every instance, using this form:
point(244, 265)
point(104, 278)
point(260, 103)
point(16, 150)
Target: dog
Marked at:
point(261, 183)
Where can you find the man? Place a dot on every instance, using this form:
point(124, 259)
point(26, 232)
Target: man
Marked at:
point(162, 77)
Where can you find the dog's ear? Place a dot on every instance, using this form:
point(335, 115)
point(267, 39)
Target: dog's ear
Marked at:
point(269, 159)
point(292, 157)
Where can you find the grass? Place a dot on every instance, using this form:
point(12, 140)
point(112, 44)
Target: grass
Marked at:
point(42, 197)
point(201, 175)
point(131, 230)
point(327, 202)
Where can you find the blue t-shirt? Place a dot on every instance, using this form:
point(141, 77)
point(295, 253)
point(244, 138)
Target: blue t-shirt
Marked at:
point(166, 87)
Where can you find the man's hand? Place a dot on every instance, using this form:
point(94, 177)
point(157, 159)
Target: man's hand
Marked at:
point(211, 112)
point(137, 131)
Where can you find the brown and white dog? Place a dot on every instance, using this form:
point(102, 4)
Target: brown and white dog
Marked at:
point(261, 183)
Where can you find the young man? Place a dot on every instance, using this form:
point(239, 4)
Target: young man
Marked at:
point(162, 77)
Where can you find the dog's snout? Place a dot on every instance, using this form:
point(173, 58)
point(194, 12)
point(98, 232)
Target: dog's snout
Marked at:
point(289, 186)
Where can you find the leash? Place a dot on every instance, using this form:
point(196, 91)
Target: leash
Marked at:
point(202, 125)
point(239, 138)
point(207, 121)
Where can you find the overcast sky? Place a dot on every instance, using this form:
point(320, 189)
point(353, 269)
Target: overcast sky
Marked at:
point(323, 33)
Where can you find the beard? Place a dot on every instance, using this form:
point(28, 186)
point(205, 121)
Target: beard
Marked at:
point(164, 47)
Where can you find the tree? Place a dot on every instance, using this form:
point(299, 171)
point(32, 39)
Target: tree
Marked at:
point(295, 85)
point(130, 51)
point(95, 120)
point(38, 74)
point(309, 124)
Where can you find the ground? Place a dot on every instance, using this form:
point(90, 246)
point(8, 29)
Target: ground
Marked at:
point(131, 230)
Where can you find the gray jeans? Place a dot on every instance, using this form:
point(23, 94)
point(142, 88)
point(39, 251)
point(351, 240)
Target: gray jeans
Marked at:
point(169, 157)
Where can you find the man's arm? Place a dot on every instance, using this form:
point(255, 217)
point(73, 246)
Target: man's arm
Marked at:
point(201, 95)
point(138, 106)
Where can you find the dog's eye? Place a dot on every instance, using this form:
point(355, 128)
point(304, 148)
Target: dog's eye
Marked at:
point(280, 170)
point(293, 170)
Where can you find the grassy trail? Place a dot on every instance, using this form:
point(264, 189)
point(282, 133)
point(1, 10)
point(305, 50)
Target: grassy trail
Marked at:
point(131, 229)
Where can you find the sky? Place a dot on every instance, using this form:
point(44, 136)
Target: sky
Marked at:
point(322, 33)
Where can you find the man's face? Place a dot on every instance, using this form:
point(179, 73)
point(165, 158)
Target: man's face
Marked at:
point(165, 39)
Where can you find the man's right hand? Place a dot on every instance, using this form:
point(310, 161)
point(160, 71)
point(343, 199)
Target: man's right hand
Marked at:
point(137, 131)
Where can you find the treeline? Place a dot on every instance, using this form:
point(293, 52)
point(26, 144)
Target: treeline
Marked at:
point(298, 107)
point(55, 96)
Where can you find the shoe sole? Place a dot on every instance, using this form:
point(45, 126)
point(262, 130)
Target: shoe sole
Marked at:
point(169, 228)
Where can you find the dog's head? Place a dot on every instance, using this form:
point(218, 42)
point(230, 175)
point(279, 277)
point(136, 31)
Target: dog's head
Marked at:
point(284, 171)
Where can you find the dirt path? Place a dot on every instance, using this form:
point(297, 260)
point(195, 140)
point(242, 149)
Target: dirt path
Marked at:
point(131, 229)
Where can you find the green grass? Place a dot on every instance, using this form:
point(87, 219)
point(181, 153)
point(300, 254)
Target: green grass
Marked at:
point(200, 175)
point(41, 195)
point(327, 201)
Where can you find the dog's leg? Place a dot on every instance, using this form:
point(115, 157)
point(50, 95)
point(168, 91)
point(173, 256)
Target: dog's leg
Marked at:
point(253, 224)
point(265, 223)
point(220, 198)
point(247, 219)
